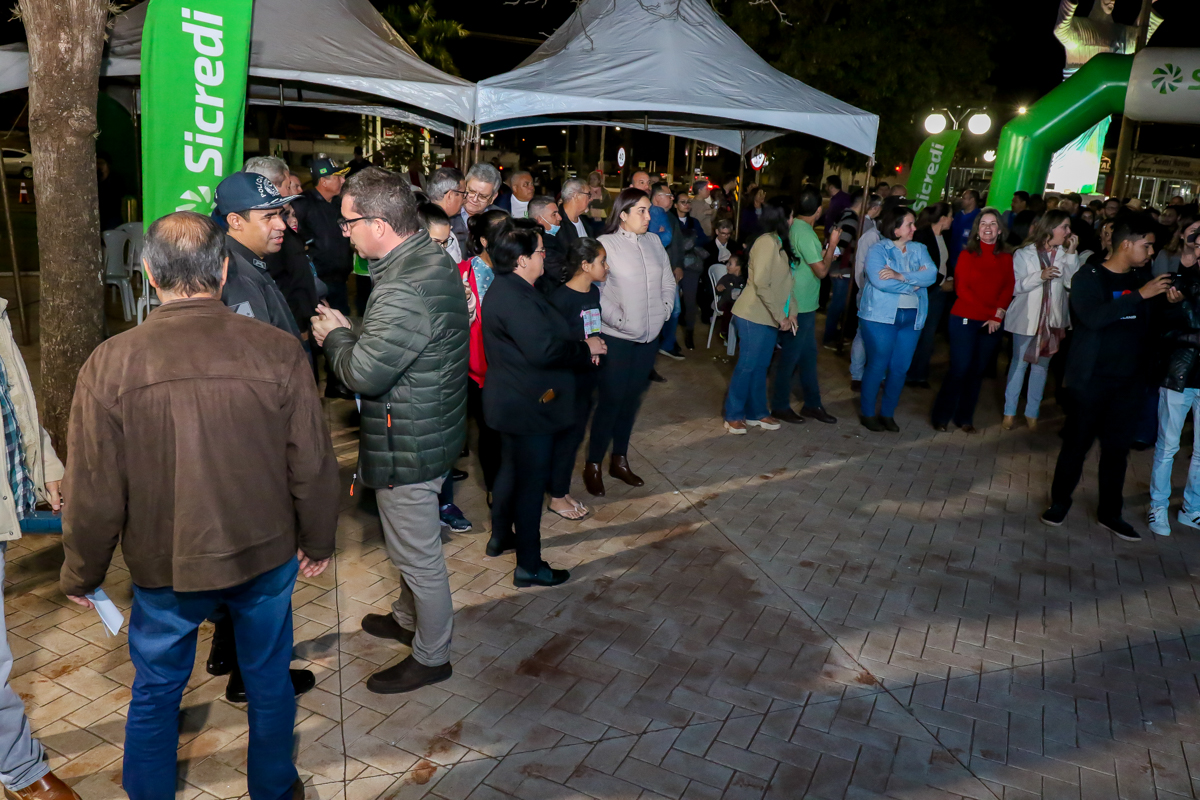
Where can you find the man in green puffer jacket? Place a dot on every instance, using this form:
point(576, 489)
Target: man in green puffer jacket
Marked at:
point(409, 364)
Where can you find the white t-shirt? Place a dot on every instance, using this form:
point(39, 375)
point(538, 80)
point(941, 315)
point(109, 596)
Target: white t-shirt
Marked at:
point(579, 227)
point(519, 208)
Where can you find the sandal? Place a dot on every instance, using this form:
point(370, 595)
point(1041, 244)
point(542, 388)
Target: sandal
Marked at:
point(565, 513)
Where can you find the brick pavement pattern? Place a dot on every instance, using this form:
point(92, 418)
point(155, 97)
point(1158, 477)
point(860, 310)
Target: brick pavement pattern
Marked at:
point(815, 612)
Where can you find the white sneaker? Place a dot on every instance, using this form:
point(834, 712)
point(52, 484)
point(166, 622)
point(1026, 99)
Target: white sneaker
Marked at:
point(1160, 521)
point(766, 423)
point(1189, 518)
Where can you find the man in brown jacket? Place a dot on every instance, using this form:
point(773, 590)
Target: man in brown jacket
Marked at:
point(198, 444)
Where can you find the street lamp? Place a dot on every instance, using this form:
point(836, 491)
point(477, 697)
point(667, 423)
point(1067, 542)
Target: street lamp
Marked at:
point(935, 123)
point(979, 124)
point(989, 156)
point(977, 119)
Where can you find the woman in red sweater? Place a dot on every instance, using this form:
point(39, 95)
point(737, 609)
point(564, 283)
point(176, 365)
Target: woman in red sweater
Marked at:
point(983, 278)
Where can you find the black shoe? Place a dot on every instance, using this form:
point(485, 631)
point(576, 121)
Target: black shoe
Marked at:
point(1140, 447)
point(338, 392)
point(458, 475)
point(384, 626)
point(656, 378)
point(689, 340)
point(1055, 514)
point(918, 384)
point(889, 424)
point(498, 546)
point(222, 658)
point(1119, 528)
point(302, 681)
point(298, 790)
point(819, 414)
point(545, 576)
point(856, 387)
point(941, 427)
point(788, 415)
point(407, 676)
point(872, 424)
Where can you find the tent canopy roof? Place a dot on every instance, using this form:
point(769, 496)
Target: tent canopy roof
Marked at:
point(655, 57)
point(343, 44)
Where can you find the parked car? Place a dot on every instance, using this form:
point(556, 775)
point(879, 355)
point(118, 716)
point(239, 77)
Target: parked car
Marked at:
point(18, 162)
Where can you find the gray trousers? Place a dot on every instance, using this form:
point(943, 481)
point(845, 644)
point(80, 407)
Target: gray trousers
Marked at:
point(22, 760)
point(412, 533)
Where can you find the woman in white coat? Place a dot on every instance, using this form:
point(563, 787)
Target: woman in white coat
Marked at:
point(1039, 314)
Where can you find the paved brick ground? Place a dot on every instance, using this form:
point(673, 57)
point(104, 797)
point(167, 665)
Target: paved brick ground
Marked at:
point(816, 612)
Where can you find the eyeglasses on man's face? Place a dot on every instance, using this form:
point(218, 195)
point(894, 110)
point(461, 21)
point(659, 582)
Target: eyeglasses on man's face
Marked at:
point(347, 224)
point(478, 197)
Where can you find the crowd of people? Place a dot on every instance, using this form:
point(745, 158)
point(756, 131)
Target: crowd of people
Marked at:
point(198, 441)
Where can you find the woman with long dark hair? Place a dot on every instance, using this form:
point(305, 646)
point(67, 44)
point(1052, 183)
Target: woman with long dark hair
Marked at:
point(1039, 314)
point(635, 300)
point(529, 396)
point(760, 313)
point(932, 224)
point(477, 276)
point(983, 279)
point(891, 311)
point(578, 300)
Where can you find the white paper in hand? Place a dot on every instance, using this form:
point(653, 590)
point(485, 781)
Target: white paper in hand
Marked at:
point(110, 615)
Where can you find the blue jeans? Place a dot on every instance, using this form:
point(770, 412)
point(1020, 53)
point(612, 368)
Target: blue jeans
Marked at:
point(971, 349)
point(858, 355)
point(797, 356)
point(162, 646)
point(889, 352)
point(1173, 408)
point(840, 292)
point(747, 397)
point(1016, 379)
point(22, 759)
point(670, 329)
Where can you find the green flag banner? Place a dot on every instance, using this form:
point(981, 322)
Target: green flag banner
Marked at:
point(195, 58)
point(931, 168)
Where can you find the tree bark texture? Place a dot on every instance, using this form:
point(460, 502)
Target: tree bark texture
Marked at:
point(66, 40)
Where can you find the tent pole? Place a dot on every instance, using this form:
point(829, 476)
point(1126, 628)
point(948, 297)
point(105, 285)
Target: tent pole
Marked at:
point(600, 162)
point(477, 137)
point(671, 160)
point(737, 222)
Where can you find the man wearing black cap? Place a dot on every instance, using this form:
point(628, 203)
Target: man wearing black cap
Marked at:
point(250, 209)
point(317, 211)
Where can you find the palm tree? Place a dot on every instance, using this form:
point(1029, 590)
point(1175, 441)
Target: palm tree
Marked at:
point(419, 25)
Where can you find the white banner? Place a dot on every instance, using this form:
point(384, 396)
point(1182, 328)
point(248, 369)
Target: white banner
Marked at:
point(1164, 86)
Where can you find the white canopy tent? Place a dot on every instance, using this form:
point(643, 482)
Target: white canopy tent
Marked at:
point(667, 65)
point(344, 45)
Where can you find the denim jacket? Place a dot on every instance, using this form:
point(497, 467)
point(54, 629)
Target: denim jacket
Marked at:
point(880, 298)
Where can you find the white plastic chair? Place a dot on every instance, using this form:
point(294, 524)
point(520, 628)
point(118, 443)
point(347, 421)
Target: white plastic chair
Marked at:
point(116, 271)
point(714, 275)
point(148, 298)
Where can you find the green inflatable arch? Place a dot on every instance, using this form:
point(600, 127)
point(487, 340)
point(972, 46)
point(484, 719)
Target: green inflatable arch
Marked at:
point(1028, 143)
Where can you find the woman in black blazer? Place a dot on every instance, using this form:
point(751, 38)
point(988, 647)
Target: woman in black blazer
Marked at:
point(932, 225)
point(529, 396)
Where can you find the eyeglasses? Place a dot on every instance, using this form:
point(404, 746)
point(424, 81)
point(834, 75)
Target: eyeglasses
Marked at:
point(477, 196)
point(345, 224)
point(442, 242)
point(539, 250)
point(456, 191)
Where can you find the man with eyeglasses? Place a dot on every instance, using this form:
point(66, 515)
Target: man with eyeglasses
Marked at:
point(446, 190)
point(409, 363)
point(483, 183)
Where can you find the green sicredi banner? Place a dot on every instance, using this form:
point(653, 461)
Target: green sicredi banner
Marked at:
point(195, 57)
point(930, 169)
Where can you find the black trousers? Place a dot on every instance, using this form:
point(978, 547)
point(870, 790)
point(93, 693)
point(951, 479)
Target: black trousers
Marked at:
point(1105, 410)
point(566, 443)
point(520, 489)
point(488, 447)
point(688, 287)
point(971, 349)
point(624, 379)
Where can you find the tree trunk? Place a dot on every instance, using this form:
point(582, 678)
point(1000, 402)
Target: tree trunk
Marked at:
point(66, 39)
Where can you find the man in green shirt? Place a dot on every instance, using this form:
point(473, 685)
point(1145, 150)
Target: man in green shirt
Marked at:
point(798, 348)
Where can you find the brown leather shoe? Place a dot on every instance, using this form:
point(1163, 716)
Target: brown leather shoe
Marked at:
point(48, 788)
point(593, 481)
point(618, 467)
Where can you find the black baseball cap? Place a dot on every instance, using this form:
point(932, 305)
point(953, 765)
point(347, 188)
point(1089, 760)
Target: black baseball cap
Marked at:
point(324, 167)
point(247, 191)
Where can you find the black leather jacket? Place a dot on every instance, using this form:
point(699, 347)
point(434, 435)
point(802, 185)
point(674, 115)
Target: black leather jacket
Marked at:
point(1181, 334)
